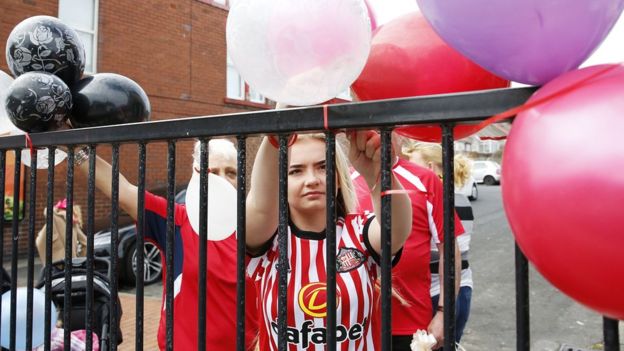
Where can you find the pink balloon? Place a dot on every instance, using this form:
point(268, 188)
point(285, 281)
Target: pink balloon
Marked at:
point(528, 41)
point(563, 187)
point(320, 46)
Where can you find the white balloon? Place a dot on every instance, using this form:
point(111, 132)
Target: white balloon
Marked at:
point(221, 206)
point(300, 52)
point(6, 126)
point(42, 158)
point(38, 309)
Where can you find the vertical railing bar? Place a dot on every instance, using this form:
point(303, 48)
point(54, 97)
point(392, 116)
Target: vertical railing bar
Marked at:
point(31, 248)
point(114, 247)
point(90, 247)
point(15, 227)
point(330, 242)
point(203, 242)
point(448, 154)
point(523, 331)
point(241, 240)
point(170, 240)
point(69, 237)
point(611, 334)
point(2, 183)
point(386, 241)
point(284, 264)
point(48, 263)
point(140, 243)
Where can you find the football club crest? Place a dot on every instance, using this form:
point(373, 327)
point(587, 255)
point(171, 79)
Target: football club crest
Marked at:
point(348, 259)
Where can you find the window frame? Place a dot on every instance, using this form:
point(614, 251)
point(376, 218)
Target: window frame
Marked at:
point(245, 99)
point(214, 3)
point(94, 32)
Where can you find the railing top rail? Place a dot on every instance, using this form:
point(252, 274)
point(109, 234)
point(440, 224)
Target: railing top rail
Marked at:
point(457, 108)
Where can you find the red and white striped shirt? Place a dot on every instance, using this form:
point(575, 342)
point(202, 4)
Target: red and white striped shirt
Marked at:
point(356, 271)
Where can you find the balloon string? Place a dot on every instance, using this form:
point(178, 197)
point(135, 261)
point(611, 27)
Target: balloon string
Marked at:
point(518, 109)
point(29, 144)
point(325, 118)
point(493, 137)
point(399, 191)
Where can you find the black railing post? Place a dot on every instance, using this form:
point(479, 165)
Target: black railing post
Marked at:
point(523, 331)
point(14, 248)
point(386, 241)
point(330, 230)
point(31, 248)
point(48, 262)
point(69, 237)
point(90, 247)
point(448, 153)
point(114, 276)
point(171, 159)
point(203, 243)
point(241, 178)
point(140, 244)
point(611, 334)
point(282, 238)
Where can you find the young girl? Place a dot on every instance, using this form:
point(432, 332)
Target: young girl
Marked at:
point(358, 242)
point(430, 156)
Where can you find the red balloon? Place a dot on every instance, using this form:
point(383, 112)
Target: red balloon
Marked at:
point(563, 187)
point(408, 58)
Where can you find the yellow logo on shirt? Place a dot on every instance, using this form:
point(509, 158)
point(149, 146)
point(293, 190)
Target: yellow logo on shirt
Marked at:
point(313, 299)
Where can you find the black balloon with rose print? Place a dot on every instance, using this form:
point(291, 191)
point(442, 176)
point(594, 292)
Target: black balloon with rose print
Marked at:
point(38, 102)
point(108, 99)
point(45, 44)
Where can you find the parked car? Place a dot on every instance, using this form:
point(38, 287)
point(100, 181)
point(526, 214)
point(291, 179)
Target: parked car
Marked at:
point(470, 189)
point(126, 249)
point(488, 172)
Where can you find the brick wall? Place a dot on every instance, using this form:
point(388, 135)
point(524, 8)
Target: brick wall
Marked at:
point(175, 50)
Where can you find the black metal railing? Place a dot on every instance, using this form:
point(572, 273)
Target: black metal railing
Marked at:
point(445, 110)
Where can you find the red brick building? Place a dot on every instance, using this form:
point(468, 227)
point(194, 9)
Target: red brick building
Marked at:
point(175, 50)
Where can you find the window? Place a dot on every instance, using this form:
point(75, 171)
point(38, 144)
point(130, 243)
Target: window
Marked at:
point(238, 89)
point(82, 15)
point(235, 83)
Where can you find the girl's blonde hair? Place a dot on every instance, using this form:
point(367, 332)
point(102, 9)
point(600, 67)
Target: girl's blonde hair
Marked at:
point(347, 198)
point(432, 153)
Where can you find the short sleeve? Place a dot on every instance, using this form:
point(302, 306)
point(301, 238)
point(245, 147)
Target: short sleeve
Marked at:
point(155, 218)
point(373, 254)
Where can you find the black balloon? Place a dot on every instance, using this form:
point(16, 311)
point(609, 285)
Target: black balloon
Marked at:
point(108, 99)
point(38, 102)
point(45, 44)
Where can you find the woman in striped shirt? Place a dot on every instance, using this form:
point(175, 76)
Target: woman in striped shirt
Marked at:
point(358, 242)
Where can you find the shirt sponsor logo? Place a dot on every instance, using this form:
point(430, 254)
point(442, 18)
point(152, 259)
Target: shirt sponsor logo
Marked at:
point(307, 333)
point(348, 259)
point(313, 299)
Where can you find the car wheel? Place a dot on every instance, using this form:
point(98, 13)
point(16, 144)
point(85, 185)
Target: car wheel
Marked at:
point(474, 193)
point(152, 263)
point(489, 180)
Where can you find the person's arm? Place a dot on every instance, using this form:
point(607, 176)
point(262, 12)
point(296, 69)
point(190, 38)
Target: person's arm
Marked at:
point(365, 156)
point(128, 193)
point(262, 200)
point(436, 326)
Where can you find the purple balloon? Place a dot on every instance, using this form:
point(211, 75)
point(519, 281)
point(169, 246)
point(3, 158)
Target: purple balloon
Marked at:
point(527, 41)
